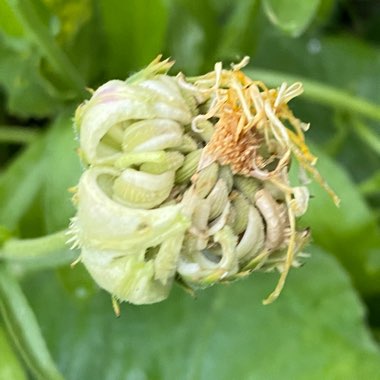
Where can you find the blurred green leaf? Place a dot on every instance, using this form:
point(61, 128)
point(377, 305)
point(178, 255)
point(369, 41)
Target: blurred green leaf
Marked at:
point(35, 186)
point(201, 33)
point(10, 366)
point(32, 223)
point(29, 93)
point(35, 19)
point(76, 25)
point(239, 35)
point(135, 33)
point(70, 16)
point(23, 327)
point(195, 32)
point(343, 61)
point(314, 331)
point(20, 183)
point(62, 171)
point(325, 11)
point(370, 137)
point(8, 20)
point(350, 232)
point(292, 16)
point(186, 39)
point(371, 185)
point(77, 282)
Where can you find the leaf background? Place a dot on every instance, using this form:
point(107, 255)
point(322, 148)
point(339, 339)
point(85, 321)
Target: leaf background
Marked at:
point(314, 331)
point(323, 326)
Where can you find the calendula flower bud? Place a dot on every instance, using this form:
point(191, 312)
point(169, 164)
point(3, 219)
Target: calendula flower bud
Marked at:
point(187, 179)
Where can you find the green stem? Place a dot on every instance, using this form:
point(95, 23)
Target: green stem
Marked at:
point(17, 135)
point(320, 93)
point(371, 186)
point(23, 327)
point(366, 134)
point(25, 255)
point(39, 33)
point(18, 249)
point(335, 144)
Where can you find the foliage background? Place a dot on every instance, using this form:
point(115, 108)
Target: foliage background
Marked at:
point(56, 324)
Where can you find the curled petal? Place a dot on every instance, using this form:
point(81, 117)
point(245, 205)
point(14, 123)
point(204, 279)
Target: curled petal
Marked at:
point(107, 109)
point(128, 277)
point(106, 224)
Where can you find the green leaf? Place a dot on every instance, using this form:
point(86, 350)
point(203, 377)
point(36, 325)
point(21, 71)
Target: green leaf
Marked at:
point(76, 25)
point(240, 33)
point(135, 33)
point(371, 185)
point(29, 93)
point(10, 366)
point(77, 282)
point(186, 40)
point(22, 326)
point(8, 21)
point(20, 183)
point(36, 184)
point(342, 61)
point(62, 171)
point(350, 232)
point(368, 136)
point(35, 21)
point(292, 16)
point(325, 11)
point(195, 32)
point(71, 15)
point(314, 331)
point(202, 32)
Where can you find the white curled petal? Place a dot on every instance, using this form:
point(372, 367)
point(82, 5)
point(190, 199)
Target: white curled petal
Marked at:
point(300, 202)
point(128, 277)
point(202, 269)
point(104, 223)
point(165, 87)
point(136, 189)
point(227, 240)
point(220, 221)
point(99, 119)
point(151, 135)
point(165, 264)
point(109, 107)
point(271, 212)
point(253, 238)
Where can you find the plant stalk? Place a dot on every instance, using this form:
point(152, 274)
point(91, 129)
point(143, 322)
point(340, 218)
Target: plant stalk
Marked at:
point(18, 249)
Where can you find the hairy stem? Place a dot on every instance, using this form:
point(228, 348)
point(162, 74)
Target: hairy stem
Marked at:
point(18, 249)
point(25, 255)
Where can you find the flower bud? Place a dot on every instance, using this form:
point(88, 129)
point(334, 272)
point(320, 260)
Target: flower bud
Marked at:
point(187, 179)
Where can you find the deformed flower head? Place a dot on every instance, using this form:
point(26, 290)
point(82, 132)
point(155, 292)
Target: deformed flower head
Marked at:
point(187, 179)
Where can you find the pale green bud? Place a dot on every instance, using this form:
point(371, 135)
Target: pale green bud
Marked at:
point(188, 179)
